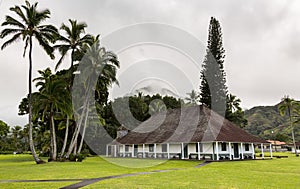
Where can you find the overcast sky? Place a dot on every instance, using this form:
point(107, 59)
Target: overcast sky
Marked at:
point(261, 40)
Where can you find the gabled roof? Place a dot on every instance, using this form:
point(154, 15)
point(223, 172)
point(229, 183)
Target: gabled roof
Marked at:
point(188, 124)
point(276, 142)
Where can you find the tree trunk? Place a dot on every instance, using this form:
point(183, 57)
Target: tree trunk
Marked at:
point(75, 147)
point(84, 128)
point(78, 126)
point(72, 60)
point(292, 126)
point(75, 135)
point(53, 135)
point(31, 143)
point(294, 142)
point(66, 138)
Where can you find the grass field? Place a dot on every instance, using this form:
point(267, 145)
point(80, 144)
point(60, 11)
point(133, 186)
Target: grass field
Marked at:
point(276, 173)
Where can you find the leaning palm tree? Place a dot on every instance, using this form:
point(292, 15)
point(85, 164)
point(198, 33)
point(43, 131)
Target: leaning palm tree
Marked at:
point(287, 107)
point(73, 41)
point(97, 64)
point(27, 28)
point(52, 99)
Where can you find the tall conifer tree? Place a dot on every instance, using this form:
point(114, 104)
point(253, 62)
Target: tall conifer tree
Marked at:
point(213, 89)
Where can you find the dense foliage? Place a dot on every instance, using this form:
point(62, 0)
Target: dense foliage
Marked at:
point(213, 89)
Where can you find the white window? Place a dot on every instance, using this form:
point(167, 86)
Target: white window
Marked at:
point(151, 147)
point(164, 148)
point(246, 147)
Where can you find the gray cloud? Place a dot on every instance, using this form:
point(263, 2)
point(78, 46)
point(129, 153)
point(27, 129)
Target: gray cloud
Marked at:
point(261, 40)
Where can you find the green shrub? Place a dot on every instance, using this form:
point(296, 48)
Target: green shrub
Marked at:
point(6, 152)
point(44, 154)
point(72, 157)
point(80, 157)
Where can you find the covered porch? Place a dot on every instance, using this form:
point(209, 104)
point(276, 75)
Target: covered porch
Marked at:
point(217, 150)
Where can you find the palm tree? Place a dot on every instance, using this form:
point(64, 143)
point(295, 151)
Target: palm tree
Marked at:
point(288, 106)
point(193, 98)
point(97, 64)
point(16, 133)
point(53, 98)
point(233, 103)
point(29, 27)
point(156, 106)
point(73, 41)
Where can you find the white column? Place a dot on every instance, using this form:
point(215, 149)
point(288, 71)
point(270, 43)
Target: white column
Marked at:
point(262, 151)
point(198, 143)
point(115, 151)
point(168, 150)
point(242, 150)
point(230, 151)
point(143, 150)
point(253, 150)
point(217, 150)
point(271, 153)
point(182, 151)
point(154, 150)
point(124, 154)
point(106, 150)
point(132, 152)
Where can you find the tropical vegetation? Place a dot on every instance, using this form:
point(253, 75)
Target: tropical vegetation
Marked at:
point(57, 126)
point(30, 26)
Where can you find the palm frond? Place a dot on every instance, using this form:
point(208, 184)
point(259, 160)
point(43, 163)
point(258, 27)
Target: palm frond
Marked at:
point(9, 31)
point(49, 32)
point(43, 42)
point(66, 29)
point(86, 39)
point(64, 39)
point(12, 22)
point(19, 12)
point(42, 16)
point(10, 41)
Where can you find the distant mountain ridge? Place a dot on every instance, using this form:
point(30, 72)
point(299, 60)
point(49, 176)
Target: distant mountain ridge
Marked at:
point(266, 122)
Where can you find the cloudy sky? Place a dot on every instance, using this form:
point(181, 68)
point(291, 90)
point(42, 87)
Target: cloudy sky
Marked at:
point(261, 39)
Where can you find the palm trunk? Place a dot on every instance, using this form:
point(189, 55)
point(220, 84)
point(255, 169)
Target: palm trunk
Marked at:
point(66, 138)
point(84, 128)
point(31, 143)
point(75, 136)
point(294, 142)
point(53, 135)
point(292, 126)
point(78, 127)
point(75, 147)
point(72, 60)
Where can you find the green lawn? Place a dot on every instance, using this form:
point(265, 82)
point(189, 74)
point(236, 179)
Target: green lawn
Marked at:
point(276, 173)
point(22, 167)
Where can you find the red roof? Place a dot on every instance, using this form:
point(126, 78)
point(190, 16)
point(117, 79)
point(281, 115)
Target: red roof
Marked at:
point(276, 142)
point(188, 124)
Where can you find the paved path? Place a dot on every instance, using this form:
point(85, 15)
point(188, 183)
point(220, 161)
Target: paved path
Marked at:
point(202, 164)
point(85, 182)
point(91, 181)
